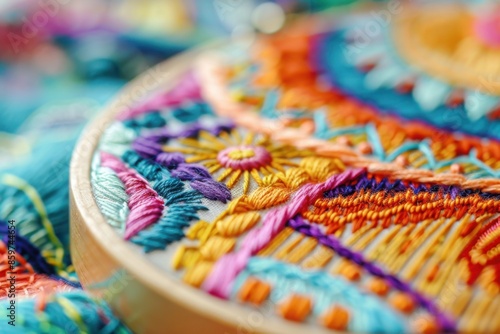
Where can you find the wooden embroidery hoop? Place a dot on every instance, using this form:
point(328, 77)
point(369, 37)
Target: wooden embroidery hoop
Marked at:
point(144, 297)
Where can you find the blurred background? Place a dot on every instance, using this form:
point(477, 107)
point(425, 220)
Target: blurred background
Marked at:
point(61, 60)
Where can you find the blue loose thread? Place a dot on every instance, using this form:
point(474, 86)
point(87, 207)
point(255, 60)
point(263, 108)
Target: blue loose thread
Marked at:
point(27, 250)
point(52, 171)
point(95, 316)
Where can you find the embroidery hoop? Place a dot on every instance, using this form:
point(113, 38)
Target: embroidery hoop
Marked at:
point(146, 298)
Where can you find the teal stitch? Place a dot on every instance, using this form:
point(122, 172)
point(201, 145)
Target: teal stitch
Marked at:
point(458, 160)
point(482, 165)
point(270, 104)
point(320, 123)
point(169, 228)
point(430, 93)
point(295, 114)
point(369, 313)
point(117, 139)
point(384, 76)
point(374, 140)
point(478, 104)
point(191, 112)
point(485, 170)
point(96, 316)
point(354, 130)
point(423, 146)
point(405, 147)
point(426, 150)
point(149, 120)
point(109, 193)
point(147, 168)
point(182, 205)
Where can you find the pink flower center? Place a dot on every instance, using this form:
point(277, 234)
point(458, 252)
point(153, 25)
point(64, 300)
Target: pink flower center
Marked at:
point(244, 157)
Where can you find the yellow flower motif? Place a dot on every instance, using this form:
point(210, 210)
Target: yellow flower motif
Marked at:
point(235, 156)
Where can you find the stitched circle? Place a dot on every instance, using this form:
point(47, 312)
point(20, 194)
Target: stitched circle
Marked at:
point(244, 157)
point(313, 187)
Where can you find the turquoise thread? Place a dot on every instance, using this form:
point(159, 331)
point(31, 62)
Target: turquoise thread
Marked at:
point(369, 313)
point(110, 195)
point(182, 205)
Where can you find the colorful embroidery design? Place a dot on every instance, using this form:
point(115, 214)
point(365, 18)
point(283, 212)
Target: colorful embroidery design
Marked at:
point(316, 187)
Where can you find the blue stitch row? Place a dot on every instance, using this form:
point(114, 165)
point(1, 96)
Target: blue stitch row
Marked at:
point(149, 120)
point(331, 60)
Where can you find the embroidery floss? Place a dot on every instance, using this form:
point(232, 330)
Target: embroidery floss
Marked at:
point(332, 190)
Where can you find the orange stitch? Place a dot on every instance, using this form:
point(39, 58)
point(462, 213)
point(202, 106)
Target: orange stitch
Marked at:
point(295, 308)
point(402, 302)
point(378, 286)
point(254, 291)
point(351, 272)
point(337, 318)
point(425, 325)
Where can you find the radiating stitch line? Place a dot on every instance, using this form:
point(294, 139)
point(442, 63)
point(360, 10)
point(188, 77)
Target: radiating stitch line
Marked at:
point(220, 280)
point(216, 92)
point(301, 226)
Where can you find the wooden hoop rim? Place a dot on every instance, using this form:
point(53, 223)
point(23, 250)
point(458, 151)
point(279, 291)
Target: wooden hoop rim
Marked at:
point(146, 298)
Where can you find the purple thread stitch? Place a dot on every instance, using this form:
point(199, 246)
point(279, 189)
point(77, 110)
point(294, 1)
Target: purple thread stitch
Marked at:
point(226, 269)
point(298, 224)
